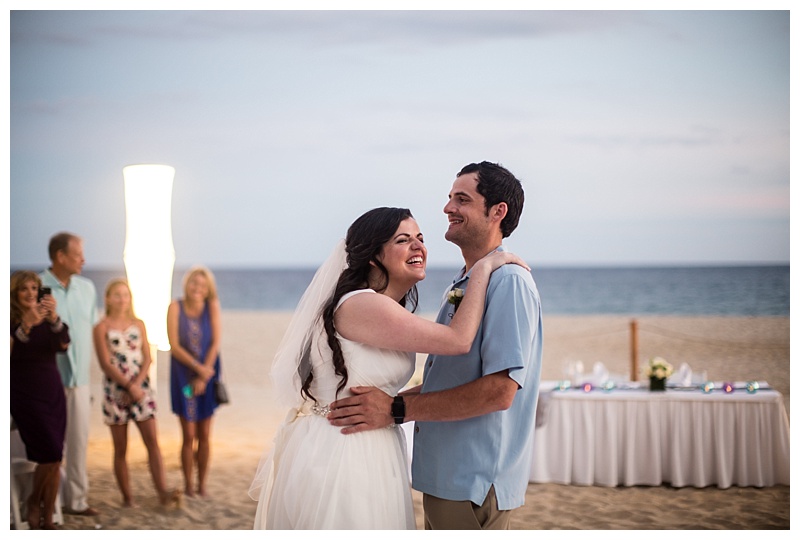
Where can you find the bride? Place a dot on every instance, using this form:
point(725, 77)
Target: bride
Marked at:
point(315, 477)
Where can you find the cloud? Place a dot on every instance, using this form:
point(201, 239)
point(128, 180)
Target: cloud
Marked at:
point(411, 29)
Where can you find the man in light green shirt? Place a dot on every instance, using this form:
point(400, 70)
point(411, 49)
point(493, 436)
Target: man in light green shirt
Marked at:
point(76, 299)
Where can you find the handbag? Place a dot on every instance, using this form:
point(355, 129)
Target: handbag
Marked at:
point(220, 392)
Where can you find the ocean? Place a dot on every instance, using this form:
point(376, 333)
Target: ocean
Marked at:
point(717, 290)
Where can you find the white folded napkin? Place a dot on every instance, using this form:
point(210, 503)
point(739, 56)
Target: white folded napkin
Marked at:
point(683, 376)
point(599, 373)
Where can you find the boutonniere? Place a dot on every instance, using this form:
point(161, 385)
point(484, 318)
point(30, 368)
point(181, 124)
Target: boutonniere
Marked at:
point(455, 296)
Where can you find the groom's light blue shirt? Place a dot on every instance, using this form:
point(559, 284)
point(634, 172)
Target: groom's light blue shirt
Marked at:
point(461, 460)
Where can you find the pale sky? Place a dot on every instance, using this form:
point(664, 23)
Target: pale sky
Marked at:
point(640, 137)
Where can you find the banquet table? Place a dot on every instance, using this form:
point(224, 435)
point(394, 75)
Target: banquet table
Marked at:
point(682, 436)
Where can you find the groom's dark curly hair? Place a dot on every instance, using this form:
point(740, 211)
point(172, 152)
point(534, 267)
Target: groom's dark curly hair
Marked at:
point(364, 244)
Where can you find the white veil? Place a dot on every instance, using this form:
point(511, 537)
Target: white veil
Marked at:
point(291, 364)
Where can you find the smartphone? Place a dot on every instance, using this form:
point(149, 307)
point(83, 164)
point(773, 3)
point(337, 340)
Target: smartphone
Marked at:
point(43, 291)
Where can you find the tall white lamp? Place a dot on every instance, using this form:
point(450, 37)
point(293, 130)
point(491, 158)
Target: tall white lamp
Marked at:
point(149, 254)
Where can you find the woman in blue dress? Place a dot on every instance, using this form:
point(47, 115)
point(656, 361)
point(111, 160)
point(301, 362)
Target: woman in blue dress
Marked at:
point(194, 328)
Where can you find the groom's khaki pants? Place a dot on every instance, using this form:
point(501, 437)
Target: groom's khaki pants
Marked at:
point(442, 514)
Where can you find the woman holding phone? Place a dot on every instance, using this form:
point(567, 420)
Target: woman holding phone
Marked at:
point(38, 405)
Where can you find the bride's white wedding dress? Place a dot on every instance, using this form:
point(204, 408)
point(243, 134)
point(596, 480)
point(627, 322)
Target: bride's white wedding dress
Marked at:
point(318, 478)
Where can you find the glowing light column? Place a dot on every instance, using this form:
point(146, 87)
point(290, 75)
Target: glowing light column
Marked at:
point(149, 254)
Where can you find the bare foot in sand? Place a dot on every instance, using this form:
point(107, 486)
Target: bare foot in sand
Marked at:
point(34, 515)
point(170, 497)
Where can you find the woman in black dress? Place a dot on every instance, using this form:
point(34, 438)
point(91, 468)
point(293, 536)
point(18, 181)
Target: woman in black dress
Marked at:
point(38, 405)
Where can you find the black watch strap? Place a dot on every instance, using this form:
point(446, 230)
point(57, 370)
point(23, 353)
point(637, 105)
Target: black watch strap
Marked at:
point(399, 410)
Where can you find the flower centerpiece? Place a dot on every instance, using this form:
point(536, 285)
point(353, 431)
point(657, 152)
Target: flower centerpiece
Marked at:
point(455, 296)
point(658, 370)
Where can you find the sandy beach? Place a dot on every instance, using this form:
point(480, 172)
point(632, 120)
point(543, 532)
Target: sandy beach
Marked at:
point(727, 348)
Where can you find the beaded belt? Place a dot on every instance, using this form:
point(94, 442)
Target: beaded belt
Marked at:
point(309, 407)
point(320, 410)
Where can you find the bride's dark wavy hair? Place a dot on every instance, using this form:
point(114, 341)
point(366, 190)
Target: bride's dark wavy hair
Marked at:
point(363, 244)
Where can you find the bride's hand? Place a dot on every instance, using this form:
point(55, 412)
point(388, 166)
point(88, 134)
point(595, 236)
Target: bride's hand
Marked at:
point(496, 259)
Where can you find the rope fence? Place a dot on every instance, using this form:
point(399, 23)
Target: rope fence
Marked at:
point(634, 328)
point(664, 332)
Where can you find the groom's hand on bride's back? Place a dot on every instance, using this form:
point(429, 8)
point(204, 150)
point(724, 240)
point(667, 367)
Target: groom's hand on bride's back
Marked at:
point(368, 408)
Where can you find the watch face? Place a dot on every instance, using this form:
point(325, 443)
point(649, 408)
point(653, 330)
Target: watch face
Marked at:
point(398, 409)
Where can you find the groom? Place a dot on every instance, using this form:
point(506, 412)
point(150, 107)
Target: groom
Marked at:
point(474, 413)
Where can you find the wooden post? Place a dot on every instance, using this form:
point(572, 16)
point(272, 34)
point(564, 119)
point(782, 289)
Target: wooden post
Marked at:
point(634, 350)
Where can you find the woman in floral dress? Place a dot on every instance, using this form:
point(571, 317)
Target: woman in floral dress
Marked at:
point(120, 340)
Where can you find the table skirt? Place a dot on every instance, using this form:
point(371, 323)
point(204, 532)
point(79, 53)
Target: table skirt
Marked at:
point(641, 438)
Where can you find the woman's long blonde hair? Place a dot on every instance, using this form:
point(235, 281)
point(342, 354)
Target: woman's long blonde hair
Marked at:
point(18, 280)
point(113, 283)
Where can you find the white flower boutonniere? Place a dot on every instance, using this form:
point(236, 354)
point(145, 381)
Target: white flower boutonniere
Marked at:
point(455, 296)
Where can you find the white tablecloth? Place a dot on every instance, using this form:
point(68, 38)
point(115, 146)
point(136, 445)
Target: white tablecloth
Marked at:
point(680, 437)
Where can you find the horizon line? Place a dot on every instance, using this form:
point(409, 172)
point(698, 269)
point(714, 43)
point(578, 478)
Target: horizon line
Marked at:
point(543, 266)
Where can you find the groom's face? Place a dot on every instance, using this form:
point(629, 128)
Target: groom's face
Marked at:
point(466, 212)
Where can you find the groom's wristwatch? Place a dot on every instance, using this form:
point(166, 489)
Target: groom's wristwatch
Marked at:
point(399, 410)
